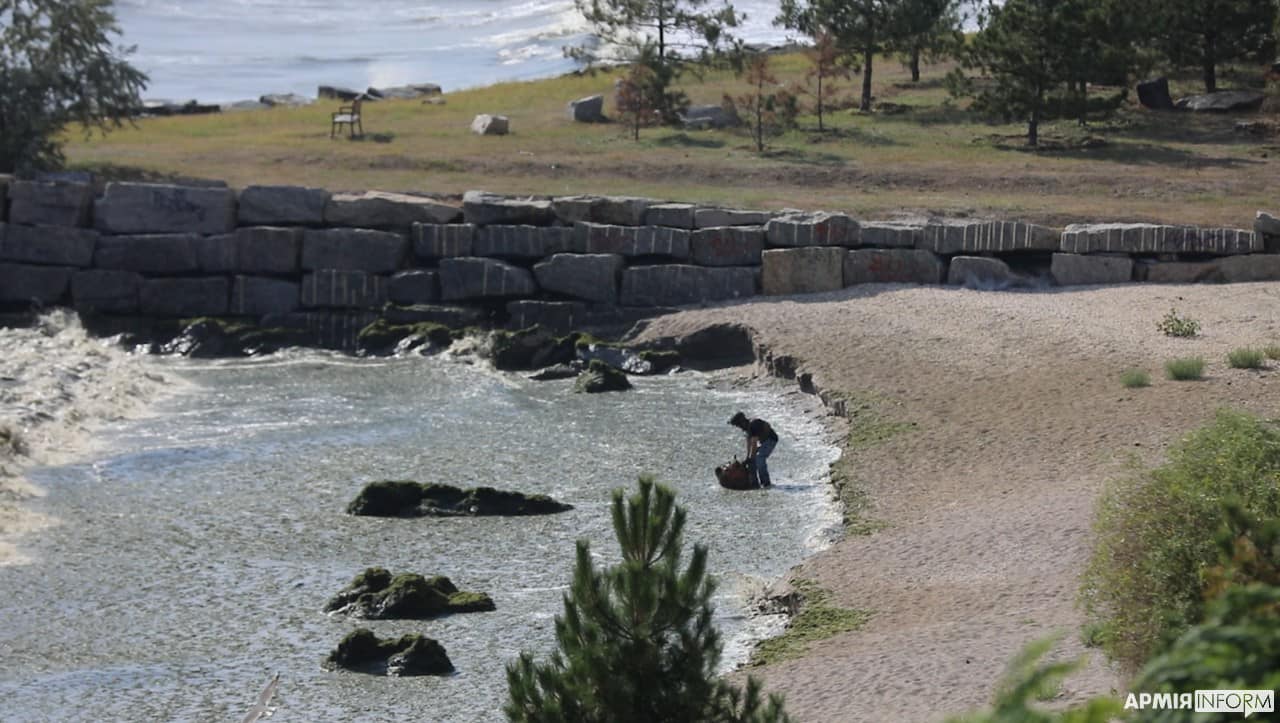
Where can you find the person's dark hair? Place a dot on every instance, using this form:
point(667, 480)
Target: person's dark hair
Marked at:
point(739, 420)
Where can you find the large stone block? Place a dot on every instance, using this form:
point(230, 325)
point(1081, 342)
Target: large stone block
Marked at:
point(5, 180)
point(268, 250)
point(631, 241)
point(134, 208)
point(256, 295)
point(148, 254)
point(419, 286)
point(1251, 267)
point(727, 246)
point(561, 317)
point(353, 249)
point(22, 284)
point(49, 245)
point(204, 296)
point(50, 203)
point(805, 270)
point(343, 289)
point(888, 266)
point(450, 315)
point(682, 284)
point(432, 241)
point(217, 254)
point(968, 237)
point(587, 110)
point(1075, 269)
point(522, 242)
point(676, 215)
point(282, 206)
point(1266, 224)
point(387, 211)
point(112, 292)
point(1178, 272)
point(488, 209)
point(327, 329)
point(593, 277)
point(887, 234)
point(476, 278)
point(490, 125)
point(621, 210)
point(569, 210)
point(979, 272)
point(713, 217)
point(1145, 238)
point(813, 229)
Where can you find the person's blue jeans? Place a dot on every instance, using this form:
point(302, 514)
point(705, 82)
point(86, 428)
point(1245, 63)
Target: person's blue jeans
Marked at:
point(760, 462)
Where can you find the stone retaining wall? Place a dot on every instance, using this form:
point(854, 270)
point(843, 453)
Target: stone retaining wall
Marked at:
point(309, 259)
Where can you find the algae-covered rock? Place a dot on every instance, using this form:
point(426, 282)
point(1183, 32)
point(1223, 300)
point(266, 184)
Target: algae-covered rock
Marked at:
point(531, 348)
point(557, 371)
point(413, 654)
point(376, 595)
point(660, 360)
point(394, 498)
point(600, 377)
point(212, 337)
point(383, 337)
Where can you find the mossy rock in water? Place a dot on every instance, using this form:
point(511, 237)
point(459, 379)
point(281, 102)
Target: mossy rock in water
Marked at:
point(376, 595)
point(212, 337)
point(531, 348)
point(383, 337)
point(600, 377)
point(412, 654)
point(660, 360)
point(394, 498)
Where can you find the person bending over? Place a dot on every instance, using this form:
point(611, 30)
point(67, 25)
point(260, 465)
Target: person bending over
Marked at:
point(761, 440)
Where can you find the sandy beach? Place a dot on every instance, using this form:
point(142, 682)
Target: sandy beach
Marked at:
point(986, 505)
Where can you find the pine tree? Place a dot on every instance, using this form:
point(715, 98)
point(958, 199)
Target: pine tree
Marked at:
point(1204, 34)
point(928, 30)
point(825, 66)
point(636, 98)
point(636, 640)
point(769, 108)
point(58, 67)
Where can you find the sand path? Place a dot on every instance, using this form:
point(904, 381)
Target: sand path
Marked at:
point(1020, 419)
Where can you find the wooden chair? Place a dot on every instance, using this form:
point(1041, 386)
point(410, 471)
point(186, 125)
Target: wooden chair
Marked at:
point(348, 115)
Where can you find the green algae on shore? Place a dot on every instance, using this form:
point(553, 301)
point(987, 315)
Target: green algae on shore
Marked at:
point(815, 619)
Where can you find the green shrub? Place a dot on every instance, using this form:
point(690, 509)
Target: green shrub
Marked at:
point(1184, 369)
point(1245, 358)
point(1154, 533)
point(1135, 378)
point(1174, 324)
point(1272, 351)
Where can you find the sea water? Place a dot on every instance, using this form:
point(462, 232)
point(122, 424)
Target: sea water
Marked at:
point(197, 550)
point(226, 50)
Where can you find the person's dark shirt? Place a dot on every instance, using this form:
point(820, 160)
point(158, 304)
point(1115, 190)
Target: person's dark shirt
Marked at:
point(761, 430)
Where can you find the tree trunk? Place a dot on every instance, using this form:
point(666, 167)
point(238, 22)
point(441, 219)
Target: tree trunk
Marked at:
point(1033, 127)
point(915, 64)
point(867, 55)
point(819, 100)
point(1209, 64)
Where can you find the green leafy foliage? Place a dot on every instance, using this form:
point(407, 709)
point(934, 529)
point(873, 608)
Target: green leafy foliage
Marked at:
point(636, 640)
point(1185, 369)
point(58, 67)
point(1154, 530)
point(1175, 324)
point(1204, 34)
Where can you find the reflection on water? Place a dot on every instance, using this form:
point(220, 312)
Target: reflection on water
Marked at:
point(197, 554)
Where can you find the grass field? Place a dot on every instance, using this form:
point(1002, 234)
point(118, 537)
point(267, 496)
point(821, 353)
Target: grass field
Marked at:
point(931, 156)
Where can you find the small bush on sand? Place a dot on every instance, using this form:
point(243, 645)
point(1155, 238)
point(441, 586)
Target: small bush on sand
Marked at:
point(1155, 533)
point(1174, 324)
point(1184, 369)
point(1245, 358)
point(1272, 351)
point(1135, 378)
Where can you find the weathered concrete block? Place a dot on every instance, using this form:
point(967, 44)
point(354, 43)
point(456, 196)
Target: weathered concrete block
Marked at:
point(885, 266)
point(1266, 224)
point(631, 241)
point(727, 246)
point(135, 208)
point(50, 203)
point(1251, 267)
point(256, 295)
point(112, 292)
point(621, 210)
point(561, 317)
point(805, 270)
point(20, 283)
point(49, 245)
point(569, 210)
point(813, 229)
point(282, 206)
point(431, 241)
point(476, 278)
point(204, 296)
point(979, 272)
point(5, 180)
point(488, 209)
point(1145, 238)
point(268, 250)
point(353, 249)
point(713, 217)
point(587, 110)
point(149, 254)
point(343, 289)
point(217, 254)
point(490, 125)
point(676, 215)
point(327, 329)
point(419, 286)
point(887, 234)
point(593, 277)
point(1074, 269)
point(522, 242)
point(952, 236)
point(387, 211)
point(450, 315)
point(1178, 272)
point(682, 284)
